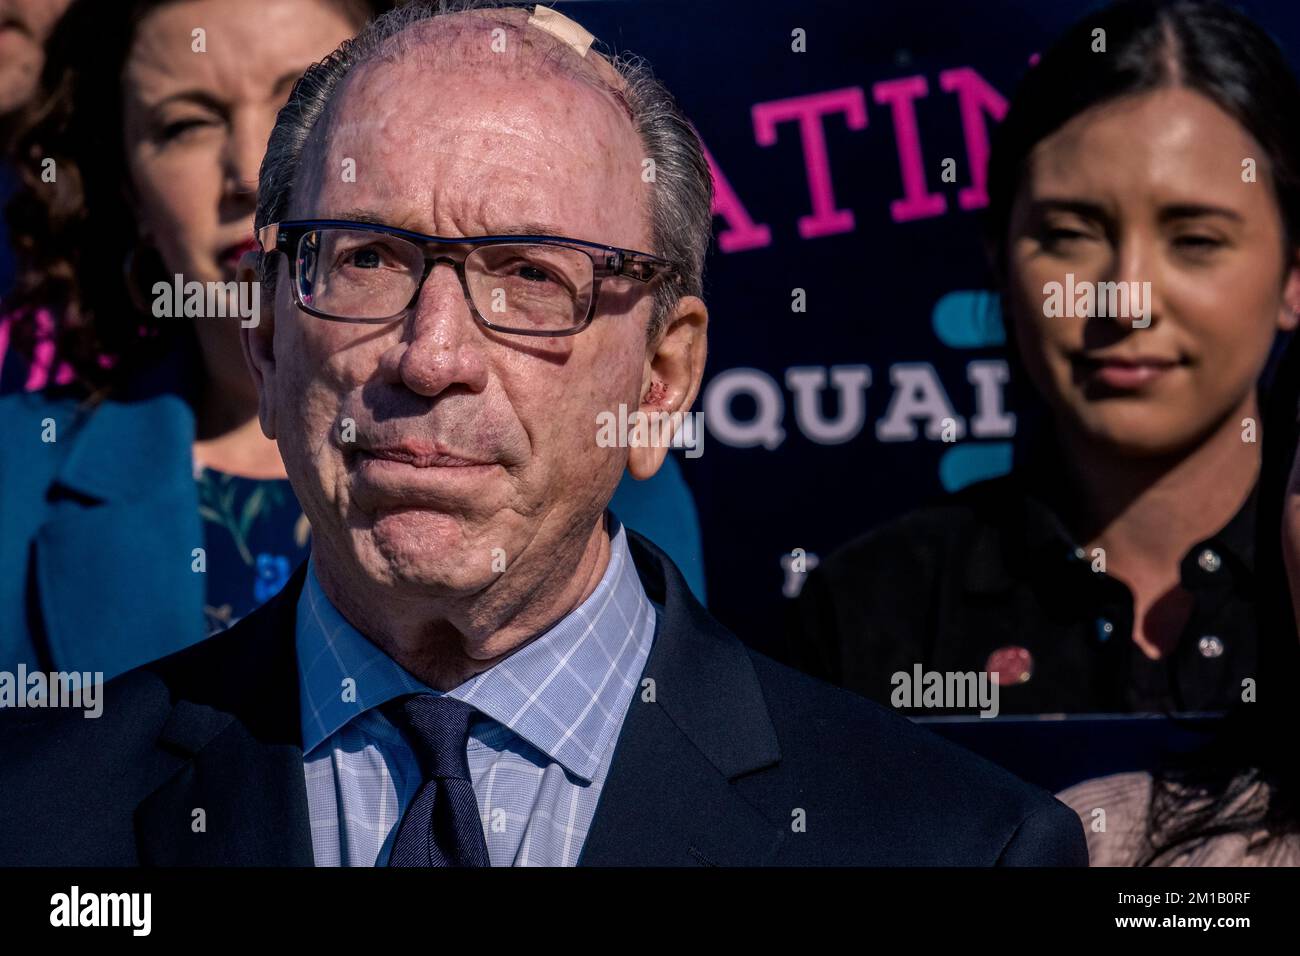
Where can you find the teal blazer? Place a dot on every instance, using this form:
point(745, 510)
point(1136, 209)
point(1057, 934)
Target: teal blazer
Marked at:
point(98, 529)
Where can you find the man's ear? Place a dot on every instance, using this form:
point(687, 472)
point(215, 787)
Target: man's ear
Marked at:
point(256, 339)
point(1289, 316)
point(674, 368)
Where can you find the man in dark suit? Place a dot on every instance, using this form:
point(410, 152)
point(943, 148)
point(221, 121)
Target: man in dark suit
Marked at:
point(479, 665)
point(739, 761)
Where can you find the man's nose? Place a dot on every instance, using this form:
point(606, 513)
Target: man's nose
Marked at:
point(441, 344)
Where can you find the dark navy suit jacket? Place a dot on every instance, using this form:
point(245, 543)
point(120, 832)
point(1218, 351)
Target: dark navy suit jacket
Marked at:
point(738, 760)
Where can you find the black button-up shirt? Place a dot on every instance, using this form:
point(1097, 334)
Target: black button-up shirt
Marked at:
point(990, 579)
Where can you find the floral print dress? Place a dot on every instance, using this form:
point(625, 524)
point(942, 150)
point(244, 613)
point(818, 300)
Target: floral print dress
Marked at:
point(255, 534)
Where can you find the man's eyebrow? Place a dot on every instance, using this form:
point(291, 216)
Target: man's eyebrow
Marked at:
point(369, 218)
point(532, 227)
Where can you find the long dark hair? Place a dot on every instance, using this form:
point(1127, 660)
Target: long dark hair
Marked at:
point(75, 237)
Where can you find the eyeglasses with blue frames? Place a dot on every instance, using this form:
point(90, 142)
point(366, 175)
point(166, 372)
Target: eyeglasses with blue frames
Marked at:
point(526, 285)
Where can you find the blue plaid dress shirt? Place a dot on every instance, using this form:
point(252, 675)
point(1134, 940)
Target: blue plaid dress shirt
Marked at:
point(538, 760)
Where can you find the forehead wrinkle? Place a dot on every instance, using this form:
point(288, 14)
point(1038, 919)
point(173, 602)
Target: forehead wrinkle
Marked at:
point(500, 184)
point(388, 133)
point(458, 214)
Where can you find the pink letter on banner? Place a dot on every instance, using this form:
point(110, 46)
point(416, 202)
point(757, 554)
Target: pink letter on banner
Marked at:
point(825, 220)
point(742, 233)
point(916, 203)
point(974, 98)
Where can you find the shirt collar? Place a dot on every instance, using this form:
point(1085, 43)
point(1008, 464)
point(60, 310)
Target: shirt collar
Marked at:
point(1237, 537)
point(564, 692)
point(1025, 533)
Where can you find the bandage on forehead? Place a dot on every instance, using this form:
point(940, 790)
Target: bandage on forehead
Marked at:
point(561, 27)
point(579, 39)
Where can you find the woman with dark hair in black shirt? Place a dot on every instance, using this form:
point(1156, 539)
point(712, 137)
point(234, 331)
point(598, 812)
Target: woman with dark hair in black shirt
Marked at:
point(1236, 802)
point(1144, 224)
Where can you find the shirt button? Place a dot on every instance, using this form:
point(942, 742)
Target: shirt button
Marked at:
point(1104, 629)
point(1080, 554)
point(1209, 561)
point(1210, 646)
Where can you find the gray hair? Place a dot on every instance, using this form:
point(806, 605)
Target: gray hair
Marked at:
point(680, 213)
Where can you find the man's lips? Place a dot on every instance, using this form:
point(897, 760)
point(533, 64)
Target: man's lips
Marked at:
point(422, 457)
point(418, 478)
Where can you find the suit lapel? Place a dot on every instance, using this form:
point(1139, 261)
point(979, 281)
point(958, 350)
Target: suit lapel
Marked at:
point(236, 735)
point(671, 797)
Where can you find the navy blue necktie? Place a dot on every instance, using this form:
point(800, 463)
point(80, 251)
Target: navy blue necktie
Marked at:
point(441, 827)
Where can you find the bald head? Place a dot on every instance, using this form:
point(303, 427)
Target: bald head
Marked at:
point(518, 126)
